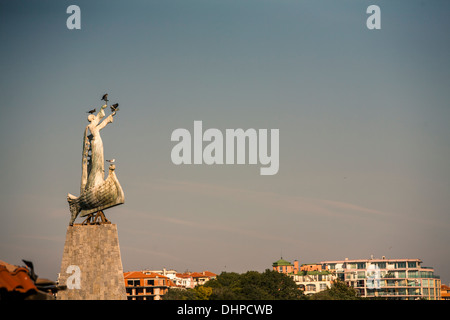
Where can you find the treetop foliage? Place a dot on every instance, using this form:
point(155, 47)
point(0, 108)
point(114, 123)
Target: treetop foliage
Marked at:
point(253, 285)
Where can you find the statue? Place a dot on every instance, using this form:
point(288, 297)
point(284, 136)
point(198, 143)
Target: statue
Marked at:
point(96, 193)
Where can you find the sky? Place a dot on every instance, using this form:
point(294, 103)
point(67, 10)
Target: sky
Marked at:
point(363, 118)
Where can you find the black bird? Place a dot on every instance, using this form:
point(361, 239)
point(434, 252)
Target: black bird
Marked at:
point(91, 111)
point(114, 107)
point(105, 97)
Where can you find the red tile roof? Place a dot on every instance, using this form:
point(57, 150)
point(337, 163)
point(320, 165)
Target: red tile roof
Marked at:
point(202, 274)
point(16, 280)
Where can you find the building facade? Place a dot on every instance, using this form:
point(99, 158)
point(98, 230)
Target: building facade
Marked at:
point(310, 278)
point(146, 286)
point(393, 279)
point(445, 292)
point(311, 282)
point(186, 279)
point(153, 284)
point(284, 266)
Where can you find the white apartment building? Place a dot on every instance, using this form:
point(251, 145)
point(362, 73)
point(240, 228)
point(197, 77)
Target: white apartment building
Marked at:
point(393, 279)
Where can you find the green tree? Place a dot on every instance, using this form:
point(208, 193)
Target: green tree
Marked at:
point(252, 285)
point(338, 291)
point(180, 294)
point(202, 292)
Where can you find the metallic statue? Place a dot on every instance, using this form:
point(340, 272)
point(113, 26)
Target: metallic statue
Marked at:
point(96, 193)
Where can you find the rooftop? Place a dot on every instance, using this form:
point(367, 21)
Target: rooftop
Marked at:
point(281, 262)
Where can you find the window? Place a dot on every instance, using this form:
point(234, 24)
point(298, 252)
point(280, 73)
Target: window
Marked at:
point(402, 274)
point(426, 274)
point(134, 283)
point(310, 287)
point(412, 264)
point(382, 265)
point(323, 286)
point(413, 274)
point(361, 265)
point(401, 265)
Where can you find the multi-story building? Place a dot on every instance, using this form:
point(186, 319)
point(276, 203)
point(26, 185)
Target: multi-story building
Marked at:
point(146, 286)
point(284, 266)
point(311, 278)
point(400, 279)
point(153, 284)
point(186, 279)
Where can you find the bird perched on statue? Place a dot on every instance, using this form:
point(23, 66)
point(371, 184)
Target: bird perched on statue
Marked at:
point(111, 161)
point(105, 97)
point(91, 111)
point(114, 107)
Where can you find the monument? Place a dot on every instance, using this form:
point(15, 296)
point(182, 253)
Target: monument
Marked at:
point(91, 265)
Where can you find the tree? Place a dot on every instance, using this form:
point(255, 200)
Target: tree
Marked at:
point(338, 291)
point(252, 285)
point(180, 294)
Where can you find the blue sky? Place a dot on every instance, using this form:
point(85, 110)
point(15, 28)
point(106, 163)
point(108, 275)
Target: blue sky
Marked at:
point(363, 118)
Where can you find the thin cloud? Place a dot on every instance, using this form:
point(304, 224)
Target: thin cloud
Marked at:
point(221, 227)
point(286, 203)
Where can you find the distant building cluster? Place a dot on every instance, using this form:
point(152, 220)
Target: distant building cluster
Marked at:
point(153, 284)
point(392, 279)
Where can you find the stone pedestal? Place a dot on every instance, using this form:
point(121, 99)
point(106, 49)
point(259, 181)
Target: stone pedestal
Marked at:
point(91, 265)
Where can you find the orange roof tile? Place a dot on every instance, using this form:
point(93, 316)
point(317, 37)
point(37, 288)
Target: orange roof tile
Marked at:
point(202, 274)
point(140, 274)
point(183, 275)
point(18, 280)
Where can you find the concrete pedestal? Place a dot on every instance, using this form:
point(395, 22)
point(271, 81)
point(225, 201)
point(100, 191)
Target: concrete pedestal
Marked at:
point(91, 265)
